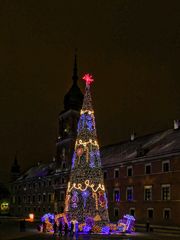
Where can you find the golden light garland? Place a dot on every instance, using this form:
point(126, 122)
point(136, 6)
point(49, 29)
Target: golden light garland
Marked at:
point(96, 199)
point(78, 186)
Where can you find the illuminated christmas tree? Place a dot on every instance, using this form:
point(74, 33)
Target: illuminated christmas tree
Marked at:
point(86, 196)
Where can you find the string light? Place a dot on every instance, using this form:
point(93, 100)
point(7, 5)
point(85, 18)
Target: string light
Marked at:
point(78, 186)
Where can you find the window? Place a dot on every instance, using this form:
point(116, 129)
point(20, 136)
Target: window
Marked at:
point(24, 199)
point(29, 199)
point(116, 173)
point(39, 184)
point(116, 195)
point(150, 213)
point(63, 153)
point(129, 193)
point(62, 196)
point(64, 165)
point(39, 198)
point(49, 198)
point(44, 197)
point(167, 213)
point(165, 192)
point(148, 168)
point(116, 212)
point(105, 174)
point(19, 200)
point(165, 166)
point(132, 211)
point(147, 193)
point(129, 171)
point(62, 180)
point(33, 198)
point(49, 183)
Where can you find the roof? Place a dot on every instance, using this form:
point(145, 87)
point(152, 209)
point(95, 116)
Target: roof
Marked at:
point(41, 170)
point(151, 145)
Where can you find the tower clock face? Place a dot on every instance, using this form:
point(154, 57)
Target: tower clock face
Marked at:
point(80, 151)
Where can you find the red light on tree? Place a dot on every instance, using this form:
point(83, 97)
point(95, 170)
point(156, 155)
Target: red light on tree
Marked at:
point(88, 78)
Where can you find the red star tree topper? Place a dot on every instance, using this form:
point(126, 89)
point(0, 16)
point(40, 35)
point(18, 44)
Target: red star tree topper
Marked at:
point(88, 79)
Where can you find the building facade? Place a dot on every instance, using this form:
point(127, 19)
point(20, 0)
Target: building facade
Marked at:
point(142, 178)
point(142, 175)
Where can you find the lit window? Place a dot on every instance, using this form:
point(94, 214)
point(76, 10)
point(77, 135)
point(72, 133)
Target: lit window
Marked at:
point(165, 192)
point(116, 212)
point(148, 168)
point(116, 195)
point(150, 213)
point(116, 173)
point(129, 171)
point(147, 193)
point(167, 213)
point(165, 166)
point(129, 193)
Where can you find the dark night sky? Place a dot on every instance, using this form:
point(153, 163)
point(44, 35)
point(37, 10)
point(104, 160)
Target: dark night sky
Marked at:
point(131, 47)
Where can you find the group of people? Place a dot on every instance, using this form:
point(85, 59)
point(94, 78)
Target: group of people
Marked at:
point(59, 229)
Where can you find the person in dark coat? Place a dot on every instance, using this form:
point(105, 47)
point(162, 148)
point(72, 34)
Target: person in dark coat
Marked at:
point(60, 228)
point(72, 228)
point(65, 229)
point(55, 227)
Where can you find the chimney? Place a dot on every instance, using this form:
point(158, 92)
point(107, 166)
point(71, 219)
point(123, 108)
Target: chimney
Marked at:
point(176, 124)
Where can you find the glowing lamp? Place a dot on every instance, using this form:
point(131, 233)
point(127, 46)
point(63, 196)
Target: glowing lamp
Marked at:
point(31, 216)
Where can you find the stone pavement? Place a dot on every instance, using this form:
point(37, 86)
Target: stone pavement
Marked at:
point(9, 230)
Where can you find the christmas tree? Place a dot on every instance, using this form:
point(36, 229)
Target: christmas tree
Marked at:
point(86, 196)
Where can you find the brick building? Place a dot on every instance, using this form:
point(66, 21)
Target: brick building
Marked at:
point(142, 177)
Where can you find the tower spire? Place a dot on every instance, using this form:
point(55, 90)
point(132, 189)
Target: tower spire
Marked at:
point(75, 76)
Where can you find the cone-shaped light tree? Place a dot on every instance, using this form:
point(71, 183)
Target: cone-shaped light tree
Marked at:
point(86, 196)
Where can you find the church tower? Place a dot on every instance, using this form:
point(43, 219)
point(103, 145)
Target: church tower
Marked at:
point(68, 120)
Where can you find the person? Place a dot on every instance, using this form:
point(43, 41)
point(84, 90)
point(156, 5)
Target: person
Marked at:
point(60, 228)
point(55, 227)
point(147, 226)
point(65, 229)
point(72, 228)
point(44, 226)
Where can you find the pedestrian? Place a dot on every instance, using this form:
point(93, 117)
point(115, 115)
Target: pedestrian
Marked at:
point(44, 226)
point(55, 227)
point(72, 229)
point(147, 226)
point(60, 228)
point(65, 229)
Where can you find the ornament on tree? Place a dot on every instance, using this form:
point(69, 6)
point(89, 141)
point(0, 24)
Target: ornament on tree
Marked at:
point(80, 151)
